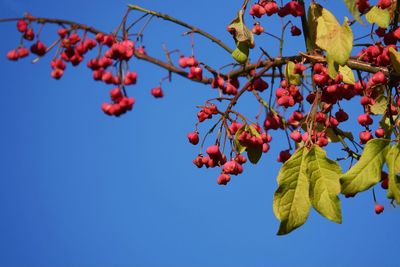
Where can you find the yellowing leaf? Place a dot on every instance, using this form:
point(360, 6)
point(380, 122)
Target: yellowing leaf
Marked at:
point(242, 33)
point(291, 199)
point(393, 163)
point(314, 11)
point(348, 75)
point(380, 105)
point(335, 39)
point(367, 171)
point(381, 17)
point(291, 77)
point(324, 175)
point(395, 59)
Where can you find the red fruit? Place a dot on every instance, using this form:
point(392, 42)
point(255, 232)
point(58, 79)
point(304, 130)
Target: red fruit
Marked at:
point(379, 208)
point(257, 11)
point(383, 4)
point(183, 62)
point(364, 119)
point(295, 31)
point(265, 148)
point(365, 136)
point(362, 5)
point(223, 179)
point(62, 32)
point(106, 107)
point(116, 94)
point(191, 62)
point(107, 77)
point(57, 74)
point(38, 48)
point(13, 55)
point(235, 126)
point(23, 52)
point(257, 29)
point(380, 132)
point(271, 8)
point(283, 156)
point(29, 34)
point(157, 92)
point(240, 159)
point(296, 136)
point(379, 78)
point(126, 103)
point(213, 152)
point(141, 50)
point(22, 25)
point(341, 115)
point(130, 78)
point(193, 138)
point(198, 161)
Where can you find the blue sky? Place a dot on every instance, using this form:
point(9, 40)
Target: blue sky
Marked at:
point(79, 188)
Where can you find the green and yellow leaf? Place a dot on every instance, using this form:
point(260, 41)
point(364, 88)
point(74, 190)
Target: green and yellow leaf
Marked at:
point(291, 199)
point(367, 171)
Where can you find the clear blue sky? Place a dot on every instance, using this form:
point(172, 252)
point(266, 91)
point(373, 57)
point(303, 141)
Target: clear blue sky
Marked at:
point(78, 188)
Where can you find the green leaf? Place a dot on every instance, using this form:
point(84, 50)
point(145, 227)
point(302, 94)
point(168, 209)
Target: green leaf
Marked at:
point(254, 154)
point(238, 146)
point(380, 105)
point(367, 171)
point(348, 74)
point(291, 77)
point(335, 39)
point(351, 5)
point(241, 53)
point(291, 199)
point(395, 59)
point(381, 17)
point(393, 163)
point(324, 175)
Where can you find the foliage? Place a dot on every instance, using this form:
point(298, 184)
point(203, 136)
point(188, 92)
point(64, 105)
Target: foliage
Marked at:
point(303, 99)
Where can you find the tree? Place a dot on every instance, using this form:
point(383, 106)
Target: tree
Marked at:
point(312, 87)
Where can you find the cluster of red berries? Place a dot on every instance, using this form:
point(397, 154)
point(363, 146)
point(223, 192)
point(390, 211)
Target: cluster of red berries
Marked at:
point(195, 71)
point(121, 104)
point(73, 48)
point(206, 112)
point(288, 95)
point(230, 87)
point(216, 158)
point(270, 7)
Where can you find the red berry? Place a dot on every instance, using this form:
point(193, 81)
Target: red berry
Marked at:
point(193, 138)
point(295, 31)
point(380, 132)
point(296, 136)
point(13, 55)
point(22, 25)
point(157, 92)
point(383, 4)
point(379, 208)
point(283, 156)
point(365, 136)
point(223, 179)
